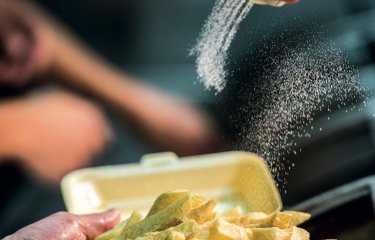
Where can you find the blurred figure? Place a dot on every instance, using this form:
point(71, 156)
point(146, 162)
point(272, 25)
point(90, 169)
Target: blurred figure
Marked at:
point(53, 132)
point(67, 226)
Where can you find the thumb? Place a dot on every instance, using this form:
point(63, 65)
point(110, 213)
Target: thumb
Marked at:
point(92, 225)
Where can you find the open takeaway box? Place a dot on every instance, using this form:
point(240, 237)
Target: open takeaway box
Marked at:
point(236, 179)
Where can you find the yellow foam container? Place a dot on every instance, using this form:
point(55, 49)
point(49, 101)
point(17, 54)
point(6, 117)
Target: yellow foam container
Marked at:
point(235, 178)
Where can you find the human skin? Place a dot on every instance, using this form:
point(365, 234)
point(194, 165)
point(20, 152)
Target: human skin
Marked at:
point(68, 61)
point(275, 2)
point(24, 45)
point(67, 226)
point(34, 44)
point(51, 133)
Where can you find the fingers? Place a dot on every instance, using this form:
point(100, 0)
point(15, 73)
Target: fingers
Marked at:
point(291, 1)
point(95, 224)
point(276, 3)
point(63, 225)
point(17, 56)
point(23, 51)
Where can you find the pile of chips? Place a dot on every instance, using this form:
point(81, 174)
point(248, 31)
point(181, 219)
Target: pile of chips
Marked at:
point(180, 215)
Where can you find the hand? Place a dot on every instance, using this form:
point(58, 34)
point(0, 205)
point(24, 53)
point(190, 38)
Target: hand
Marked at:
point(25, 43)
point(67, 226)
point(53, 133)
point(276, 3)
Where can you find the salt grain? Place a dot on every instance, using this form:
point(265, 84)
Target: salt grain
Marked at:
point(311, 77)
point(306, 80)
point(211, 50)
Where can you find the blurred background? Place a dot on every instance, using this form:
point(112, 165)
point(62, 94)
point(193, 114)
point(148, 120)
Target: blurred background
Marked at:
point(151, 40)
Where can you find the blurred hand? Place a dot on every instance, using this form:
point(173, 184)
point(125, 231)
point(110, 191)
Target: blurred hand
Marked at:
point(56, 133)
point(276, 3)
point(25, 43)
point(67, 226)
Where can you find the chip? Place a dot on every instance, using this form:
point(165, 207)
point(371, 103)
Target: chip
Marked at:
point(288, 219)
point(253, 220)
point(202, 213)
point(270, 234)
point(299, 234)
point(169, 216)
point(166, 199)
point(116, 231)
point(180, 215)
point(223, 230)
point(231, 213)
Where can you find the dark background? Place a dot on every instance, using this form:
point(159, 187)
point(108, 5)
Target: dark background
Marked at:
point(151, 40)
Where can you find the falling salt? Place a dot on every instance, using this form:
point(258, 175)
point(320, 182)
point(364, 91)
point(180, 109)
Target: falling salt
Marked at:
point(211, 50)
point(311, 77)
point(308, 79)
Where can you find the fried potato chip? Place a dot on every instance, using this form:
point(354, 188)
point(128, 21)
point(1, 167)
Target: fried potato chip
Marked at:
point(270, 234)
point(181, 231)
point(170, 235)
point(231, 213)
point(134, 218)
point(288, 219)
point(187, 228)
point(202, 232)
point(299, 234)
point(170, 216)
point(223, 230)
point(121, 227)
point(203, 213)
point(253, 220)
point(175, 236)
point(166, 199)
point(180, 215)
point(116, 231)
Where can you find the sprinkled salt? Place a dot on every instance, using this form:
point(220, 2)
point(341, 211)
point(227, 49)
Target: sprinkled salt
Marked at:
point(311, 77)
point(211, 50)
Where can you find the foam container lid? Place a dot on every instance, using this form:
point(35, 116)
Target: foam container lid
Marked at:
point(236, 179)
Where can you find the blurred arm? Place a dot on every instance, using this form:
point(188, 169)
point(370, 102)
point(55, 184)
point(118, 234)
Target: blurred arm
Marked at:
point(73, 63)
point(154, 114)
point(8, 120)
